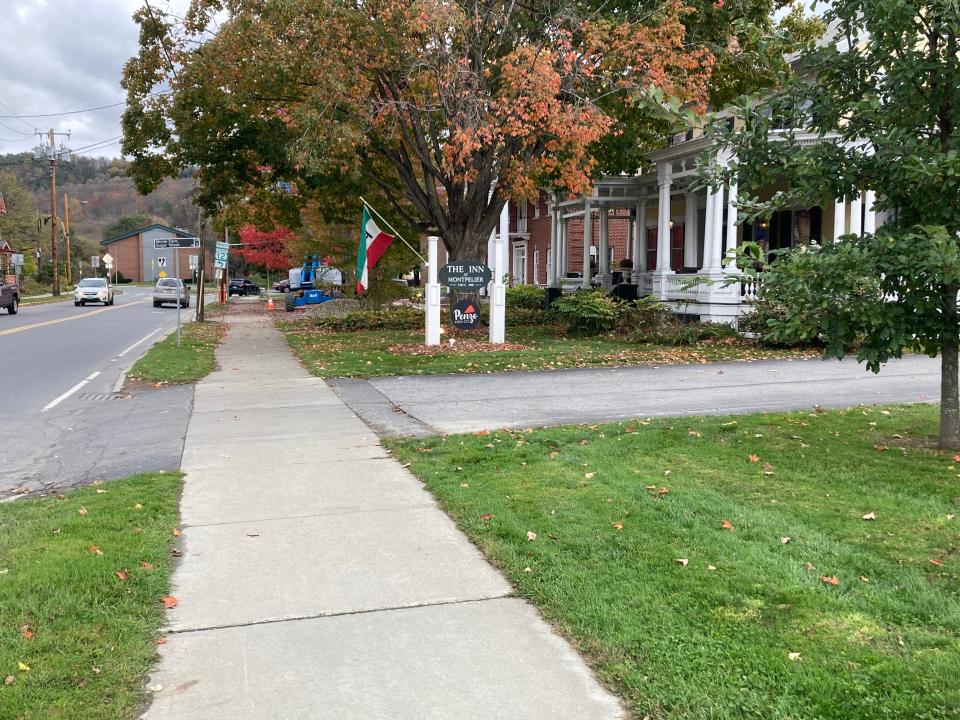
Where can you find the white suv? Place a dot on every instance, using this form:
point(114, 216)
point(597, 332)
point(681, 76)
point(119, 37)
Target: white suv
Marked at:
point(93, 290)
point(171, 290)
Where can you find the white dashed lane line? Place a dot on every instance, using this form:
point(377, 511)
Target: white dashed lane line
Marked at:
point(56, 401)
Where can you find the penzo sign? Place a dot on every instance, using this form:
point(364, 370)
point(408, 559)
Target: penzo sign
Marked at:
point(465, 315)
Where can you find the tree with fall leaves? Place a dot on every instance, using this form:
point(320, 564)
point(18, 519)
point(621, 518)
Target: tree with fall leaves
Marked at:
point(434, 104)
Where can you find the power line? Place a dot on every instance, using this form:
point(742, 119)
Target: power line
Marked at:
point(26, 124)
point(18, 132)
point(74, 112)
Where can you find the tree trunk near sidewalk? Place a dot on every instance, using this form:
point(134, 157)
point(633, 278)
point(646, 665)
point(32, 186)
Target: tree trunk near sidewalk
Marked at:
point(949, 368)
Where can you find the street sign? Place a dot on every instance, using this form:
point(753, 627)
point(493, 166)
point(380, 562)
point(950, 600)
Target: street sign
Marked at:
point(162, 261)
point(17, 259)
point(94, 261)
point(465, 315)
point(220, 255)
point(194, 262)
point(163, 273)
point(169, 243)
point(465, 275)
point(108, 259)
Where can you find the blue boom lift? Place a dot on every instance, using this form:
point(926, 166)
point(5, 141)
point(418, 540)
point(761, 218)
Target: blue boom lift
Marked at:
point(302, 281)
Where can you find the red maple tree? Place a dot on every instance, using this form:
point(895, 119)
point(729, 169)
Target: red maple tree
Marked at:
point(267, 249)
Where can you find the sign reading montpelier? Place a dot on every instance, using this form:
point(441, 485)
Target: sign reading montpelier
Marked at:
point(465, 275)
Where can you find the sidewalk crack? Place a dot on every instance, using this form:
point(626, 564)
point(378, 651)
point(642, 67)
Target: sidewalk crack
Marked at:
point(345, 613)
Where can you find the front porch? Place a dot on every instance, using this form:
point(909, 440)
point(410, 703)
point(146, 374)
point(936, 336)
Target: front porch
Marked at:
point(682, 239)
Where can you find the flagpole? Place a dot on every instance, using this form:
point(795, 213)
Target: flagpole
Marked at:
point(382, 218)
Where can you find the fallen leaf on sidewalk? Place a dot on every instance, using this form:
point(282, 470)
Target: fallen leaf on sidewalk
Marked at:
point(169, 601)
point(160, 641)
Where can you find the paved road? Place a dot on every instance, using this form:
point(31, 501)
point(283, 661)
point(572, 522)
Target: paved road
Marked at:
point(466, 403)
point(60, 368)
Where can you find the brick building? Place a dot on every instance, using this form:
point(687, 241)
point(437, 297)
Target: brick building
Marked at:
point(137, 258)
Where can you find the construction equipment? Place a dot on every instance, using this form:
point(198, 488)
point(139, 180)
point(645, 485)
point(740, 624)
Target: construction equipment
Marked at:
point(305, 282)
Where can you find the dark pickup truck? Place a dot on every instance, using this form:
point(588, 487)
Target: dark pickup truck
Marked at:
point(9, 296)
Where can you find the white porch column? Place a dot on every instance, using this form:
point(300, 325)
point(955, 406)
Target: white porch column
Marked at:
point(664, 179)
point(869, 214)
point(554, 231)
point(639, 252)
point(690, 230)
point(708, 229)
point(839, 219)
point(564, 246)
point(606, 279)
point(587, 241)
point(498, 299)
point(729, 262)
point(432, 314)
point(713, 236)
point(856, 221)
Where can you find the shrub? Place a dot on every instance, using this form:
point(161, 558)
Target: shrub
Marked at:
point(382, 318)
point(757, 323)
point(528, 297)
point(589, 312)
point(645, 317)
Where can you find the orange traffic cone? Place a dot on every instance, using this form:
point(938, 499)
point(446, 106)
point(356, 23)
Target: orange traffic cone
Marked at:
point(269, 304)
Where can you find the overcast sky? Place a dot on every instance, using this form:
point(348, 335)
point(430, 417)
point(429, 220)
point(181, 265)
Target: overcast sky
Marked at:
point(63, 55)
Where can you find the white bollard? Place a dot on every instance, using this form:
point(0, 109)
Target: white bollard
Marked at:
point(432, 315)
point(498, 301)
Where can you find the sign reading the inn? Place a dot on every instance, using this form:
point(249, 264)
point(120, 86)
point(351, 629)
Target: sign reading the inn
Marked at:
point(465, 315)
point(467, 275)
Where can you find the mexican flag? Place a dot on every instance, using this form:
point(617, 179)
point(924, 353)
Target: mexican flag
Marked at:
point(373, 244)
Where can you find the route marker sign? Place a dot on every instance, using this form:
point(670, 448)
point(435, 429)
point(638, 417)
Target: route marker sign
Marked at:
point(194, 262)
point(220, 255)
point(169, 243)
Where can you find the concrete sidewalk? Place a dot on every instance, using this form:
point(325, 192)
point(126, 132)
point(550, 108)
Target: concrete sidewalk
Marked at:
point(320, 580)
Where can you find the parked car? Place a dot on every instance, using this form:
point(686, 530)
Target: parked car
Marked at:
point(242, 286)
point(9, 296)
point(171, 290)
point(93, 290)
point(282, 286)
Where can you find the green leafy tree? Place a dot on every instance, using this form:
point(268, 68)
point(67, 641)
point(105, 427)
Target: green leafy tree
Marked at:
point(884, 95)
point(125, 224)
point(18, 226)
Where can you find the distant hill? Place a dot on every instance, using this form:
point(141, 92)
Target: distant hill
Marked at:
point(101, 194)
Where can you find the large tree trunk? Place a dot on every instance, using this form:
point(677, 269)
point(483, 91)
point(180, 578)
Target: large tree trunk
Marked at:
point(949, 383)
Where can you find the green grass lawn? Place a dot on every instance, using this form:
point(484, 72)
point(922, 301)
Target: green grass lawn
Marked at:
point(698, 580)
point(192, 360)
point(86, 635)
point(368, 353)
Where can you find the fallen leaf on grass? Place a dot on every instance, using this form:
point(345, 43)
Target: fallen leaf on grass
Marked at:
point(589, 475)
point(809, 566)
point(9, 680)
point(711, 568)
point(487, 517)
point(554, 454)
point(27, 632)
point(767, 469)
point(753, 458)
point(618, 526)
point(169, 601)
point(956, 458)
point(794, 656)
point(100, 491)
point(663, 491)
point(138, 506)
point(938, 563)
point(693, 433)
point(95, 550)
point(870, 516)
point(531, 536)
point(82, 510)
point(23, 666)
point(122, 574)
point(785, 540)
point(145, 565)
point(864, 578)
point(727, 525)
point(176, 532)
point(628, 429)
point(829, 579)
point(527, 569)
point(682, 561)
point(881, 448)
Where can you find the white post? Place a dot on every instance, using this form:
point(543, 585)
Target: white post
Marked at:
point(869, 214)
point(839, 218)
point(587, 242)
point(554, 232)
point(499, 300)
point(606, 279)
point(663, 221)
point(432, 330)
point(562, 249)
point(640, 260)
point(690, 230)
point(708, 229)
point(730, 262)
point(856, 221)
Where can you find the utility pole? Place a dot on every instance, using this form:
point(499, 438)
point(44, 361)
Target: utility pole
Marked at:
point(66, 235)
point(54, 155)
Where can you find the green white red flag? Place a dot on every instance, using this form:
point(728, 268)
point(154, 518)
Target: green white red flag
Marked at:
point(373, 244)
